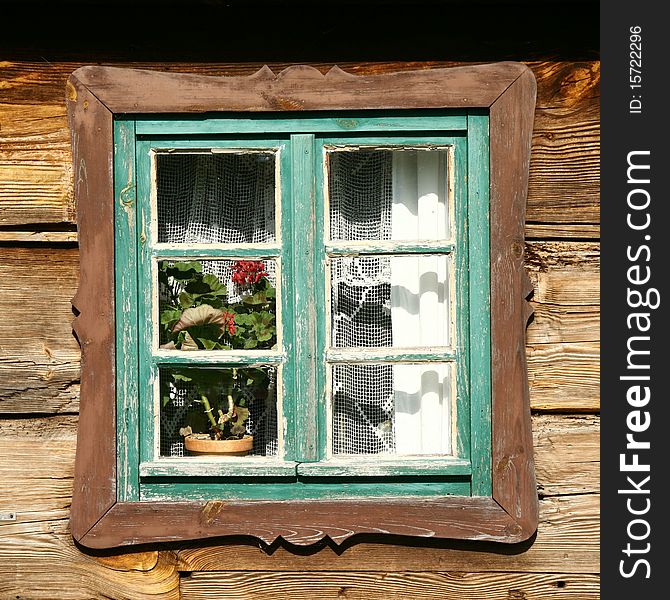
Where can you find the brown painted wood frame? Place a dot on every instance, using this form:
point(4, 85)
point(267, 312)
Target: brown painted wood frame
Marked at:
point(94, 96)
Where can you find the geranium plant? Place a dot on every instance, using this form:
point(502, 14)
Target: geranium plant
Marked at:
point(196, 314)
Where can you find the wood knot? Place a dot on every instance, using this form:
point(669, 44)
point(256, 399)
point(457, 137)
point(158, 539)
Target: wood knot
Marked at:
point(211, 510)
point(70, 92)
point(503, 464)
point(517, 249)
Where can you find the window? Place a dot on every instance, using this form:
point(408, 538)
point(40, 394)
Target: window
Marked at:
point(327, 268)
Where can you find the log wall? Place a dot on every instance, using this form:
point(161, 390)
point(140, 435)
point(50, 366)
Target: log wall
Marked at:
point(39, 375)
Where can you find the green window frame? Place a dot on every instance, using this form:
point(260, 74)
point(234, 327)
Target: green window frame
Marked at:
point(303, 470)
point(124, 493)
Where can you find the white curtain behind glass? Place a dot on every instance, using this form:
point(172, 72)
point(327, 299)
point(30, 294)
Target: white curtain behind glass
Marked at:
point(420, 303)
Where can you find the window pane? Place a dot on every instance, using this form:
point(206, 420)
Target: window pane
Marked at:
point(227, 197)
point(224, 403)
point(396, 301)
point(398, 194)
point(217, 305)
point(401, 409)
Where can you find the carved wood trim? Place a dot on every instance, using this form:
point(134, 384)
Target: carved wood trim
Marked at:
point(94, 95)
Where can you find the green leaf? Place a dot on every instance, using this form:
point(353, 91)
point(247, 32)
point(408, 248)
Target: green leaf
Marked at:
point(185, 300)
point(184, 269)
point(170, 315)
point(214, 284)
point(181, 377)
point(255, 299)
point(197, 287)
point(243, 319)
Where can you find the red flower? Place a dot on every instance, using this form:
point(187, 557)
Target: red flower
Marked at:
point(229, 323)
point(247, 272)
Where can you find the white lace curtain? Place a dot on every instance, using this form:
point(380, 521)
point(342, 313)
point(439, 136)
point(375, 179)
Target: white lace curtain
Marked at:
point(393, 301)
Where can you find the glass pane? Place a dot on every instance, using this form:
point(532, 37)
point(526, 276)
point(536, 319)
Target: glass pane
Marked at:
point(399, 409)
point(398, 194)
point(218, 404)
point(227, 197)
point(217, 305)
point(391, 301)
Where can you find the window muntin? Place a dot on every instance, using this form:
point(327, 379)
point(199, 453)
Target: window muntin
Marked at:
point(316, 457)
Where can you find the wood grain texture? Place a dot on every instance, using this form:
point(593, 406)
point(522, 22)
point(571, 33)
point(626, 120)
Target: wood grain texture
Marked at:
point(240, 585)
point(567, 454)
point(36, 340)
point(564, 181)
point(563, 338)
point(35, 155)
point(297, 88)
point(565, 376)
point(304, 522)
point(40, 561)
point(587, 231)
point(38, 558)
point(95, 467)
point(567, 542)
point(35, 165)
point(513, 472)
point(31, 237)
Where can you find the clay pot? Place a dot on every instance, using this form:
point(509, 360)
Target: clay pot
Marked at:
point(205, 445)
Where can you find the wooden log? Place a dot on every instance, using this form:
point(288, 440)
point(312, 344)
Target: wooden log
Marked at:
point(560, 323)
point(567, 454)
point(241, 585)
point(35, 159)
point(564, 180)
point(585, 231)
point(47, 237)
point(544, 256)
point(563, 184)
point(566, 291)
point(36, 338)
point(563, 347)
point(565, 376)
point(565, 273)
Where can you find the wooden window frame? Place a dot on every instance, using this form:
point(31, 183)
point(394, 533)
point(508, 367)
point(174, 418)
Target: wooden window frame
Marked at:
point(98, 95)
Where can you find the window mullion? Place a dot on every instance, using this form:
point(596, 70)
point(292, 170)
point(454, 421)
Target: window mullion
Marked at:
point(301, 412)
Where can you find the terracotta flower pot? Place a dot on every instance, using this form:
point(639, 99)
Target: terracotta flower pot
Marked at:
point(205, 445)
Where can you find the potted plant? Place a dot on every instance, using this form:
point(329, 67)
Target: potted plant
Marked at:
point(196, 314)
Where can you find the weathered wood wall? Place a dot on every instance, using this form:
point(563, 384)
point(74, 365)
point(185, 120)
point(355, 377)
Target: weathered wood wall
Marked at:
point(39, 374)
